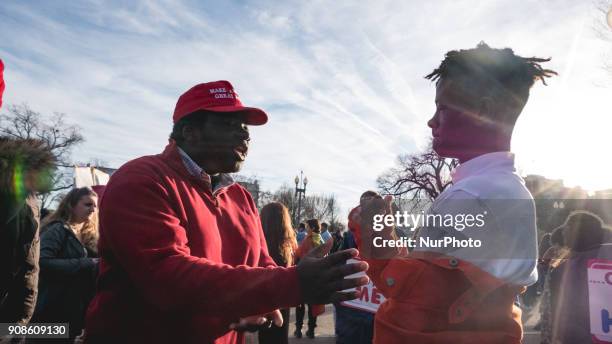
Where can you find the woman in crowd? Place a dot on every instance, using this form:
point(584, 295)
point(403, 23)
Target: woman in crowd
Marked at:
point(313, 239)
point(545, 244)
point(552, 258)
point(68, 260)
point(280, 238)
point(586, 237)
point(565, 302)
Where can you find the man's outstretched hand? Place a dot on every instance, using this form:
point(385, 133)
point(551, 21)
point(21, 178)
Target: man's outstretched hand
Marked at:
point(257, 322)
point(322, 277)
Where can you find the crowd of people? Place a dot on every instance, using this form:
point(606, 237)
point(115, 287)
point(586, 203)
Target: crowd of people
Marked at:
point(179, 253)
point(564, 306)
point(69, 265)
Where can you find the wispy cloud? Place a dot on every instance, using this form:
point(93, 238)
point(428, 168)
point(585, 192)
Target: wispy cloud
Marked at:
point(343, 83)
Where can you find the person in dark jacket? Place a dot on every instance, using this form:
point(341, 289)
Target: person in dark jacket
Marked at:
point(353, 325)
point(68, 260)
point(312, 241)
point(338, 239)
point(280, 239)
point(586, 236)
point(25, 168)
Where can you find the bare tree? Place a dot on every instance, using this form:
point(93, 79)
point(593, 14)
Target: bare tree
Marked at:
point(95, 162)
point(322, 207)
point(417, 177)
point(314, 206)
point(285, 195)
point(60, 137)
point(334, 219)
point(603, 29)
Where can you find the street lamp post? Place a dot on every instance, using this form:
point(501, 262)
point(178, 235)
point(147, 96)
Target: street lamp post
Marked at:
point(300, 192)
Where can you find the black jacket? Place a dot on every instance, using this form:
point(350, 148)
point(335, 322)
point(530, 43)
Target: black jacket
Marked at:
point(19, 244)
point(68, 272)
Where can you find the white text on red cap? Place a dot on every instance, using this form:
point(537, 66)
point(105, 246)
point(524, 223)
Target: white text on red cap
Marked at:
point(221, 92)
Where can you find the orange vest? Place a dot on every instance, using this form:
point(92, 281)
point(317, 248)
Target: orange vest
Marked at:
point(443, 300)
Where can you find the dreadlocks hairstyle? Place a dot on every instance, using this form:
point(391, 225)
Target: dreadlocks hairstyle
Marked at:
point(497, 73)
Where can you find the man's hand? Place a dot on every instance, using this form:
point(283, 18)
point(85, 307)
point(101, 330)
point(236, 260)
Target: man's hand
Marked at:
point(256, 322)
point(322, 279)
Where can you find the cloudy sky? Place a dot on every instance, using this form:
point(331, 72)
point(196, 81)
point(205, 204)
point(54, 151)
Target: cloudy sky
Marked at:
point(341, 81)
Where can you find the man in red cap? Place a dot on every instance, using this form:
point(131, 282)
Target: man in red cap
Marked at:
point(183, 255)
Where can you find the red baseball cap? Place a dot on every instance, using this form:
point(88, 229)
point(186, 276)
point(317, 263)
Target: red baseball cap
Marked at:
point(1, 81)
point(216, 96)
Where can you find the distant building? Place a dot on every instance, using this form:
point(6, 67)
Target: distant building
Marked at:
point(544, 188)
point(252, 187)
point(603, 194)
point(554, 201)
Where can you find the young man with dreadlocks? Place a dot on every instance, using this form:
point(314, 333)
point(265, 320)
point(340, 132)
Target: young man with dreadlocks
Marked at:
point(450, 293)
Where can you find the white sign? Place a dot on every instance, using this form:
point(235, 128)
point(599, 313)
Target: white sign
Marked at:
point(600, 299)
point(89, 176)
point(369, 297)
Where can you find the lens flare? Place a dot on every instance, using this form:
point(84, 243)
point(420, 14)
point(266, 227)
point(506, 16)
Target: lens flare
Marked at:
point(18, 180)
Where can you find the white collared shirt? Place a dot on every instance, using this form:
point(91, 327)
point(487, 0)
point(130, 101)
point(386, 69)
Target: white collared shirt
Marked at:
point(489, 185)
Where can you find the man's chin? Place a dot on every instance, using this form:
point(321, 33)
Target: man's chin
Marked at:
point(227, 165)
point(235, 167)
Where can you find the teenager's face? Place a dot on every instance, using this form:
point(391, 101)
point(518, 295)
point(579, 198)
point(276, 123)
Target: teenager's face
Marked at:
point(221, 144)
point(84, 209)
point(454, 127)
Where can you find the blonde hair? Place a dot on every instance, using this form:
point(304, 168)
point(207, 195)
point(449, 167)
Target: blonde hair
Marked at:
point(89, 234)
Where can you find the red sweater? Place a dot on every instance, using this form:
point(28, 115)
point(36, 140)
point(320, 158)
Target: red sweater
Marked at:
point(179, 263)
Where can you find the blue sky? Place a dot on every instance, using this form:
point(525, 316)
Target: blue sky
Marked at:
point(342, 82)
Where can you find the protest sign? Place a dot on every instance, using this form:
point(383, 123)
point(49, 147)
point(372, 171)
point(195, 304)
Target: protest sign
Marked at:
point(600, 299)
point(369, 298)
